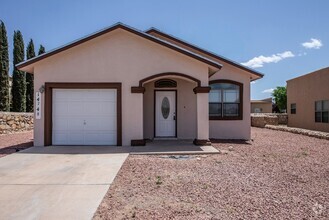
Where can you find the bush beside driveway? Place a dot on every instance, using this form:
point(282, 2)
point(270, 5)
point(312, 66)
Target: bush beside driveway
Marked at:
point(279, 175)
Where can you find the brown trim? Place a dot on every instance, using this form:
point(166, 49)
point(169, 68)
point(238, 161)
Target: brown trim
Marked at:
point(204, 51)
point(201, 89)
point(48, 116)
point(140, 142)
point(154, 113)
point(137, 89)
point(48, 105)
point(129, 29)
point(202, 142)
point(142, 81)
point(240, 117)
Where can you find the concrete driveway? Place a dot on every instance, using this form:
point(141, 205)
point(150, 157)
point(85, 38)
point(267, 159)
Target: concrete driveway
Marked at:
point(57, 182)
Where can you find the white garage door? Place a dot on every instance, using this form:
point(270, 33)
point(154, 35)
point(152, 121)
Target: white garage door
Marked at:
point(84, 117)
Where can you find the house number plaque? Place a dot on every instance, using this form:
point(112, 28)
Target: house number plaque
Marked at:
point(38, 105)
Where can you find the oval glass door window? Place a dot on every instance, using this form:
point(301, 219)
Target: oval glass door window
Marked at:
point(165, 107)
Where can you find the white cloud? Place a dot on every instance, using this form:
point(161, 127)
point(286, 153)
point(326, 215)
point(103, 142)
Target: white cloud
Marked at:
point(268, 90)
point(313, 44)
point(302, 54)
point(259, 61)
point(252, 82)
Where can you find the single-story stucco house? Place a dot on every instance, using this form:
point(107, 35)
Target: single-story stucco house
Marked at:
point(308, 101)
point(122, 86)
point(261, 106)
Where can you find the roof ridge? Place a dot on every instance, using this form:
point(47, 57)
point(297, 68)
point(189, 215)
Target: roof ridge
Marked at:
point(111, 28)
point(210, 53)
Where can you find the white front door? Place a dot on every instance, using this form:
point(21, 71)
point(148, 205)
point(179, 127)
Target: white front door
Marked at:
point(84, 117)
point(165, 113)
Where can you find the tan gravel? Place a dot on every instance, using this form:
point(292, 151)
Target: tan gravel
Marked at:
point(279, 175)
point(11, 143)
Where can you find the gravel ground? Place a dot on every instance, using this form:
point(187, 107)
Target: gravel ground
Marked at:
point(279, 175)
point(10, 142)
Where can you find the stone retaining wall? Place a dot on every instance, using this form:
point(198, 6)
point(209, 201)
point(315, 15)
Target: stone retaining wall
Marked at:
point(11, 122)
point(311, 133)
point(262, 119)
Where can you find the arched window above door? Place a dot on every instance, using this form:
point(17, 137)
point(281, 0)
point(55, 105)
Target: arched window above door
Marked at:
point(165, 83)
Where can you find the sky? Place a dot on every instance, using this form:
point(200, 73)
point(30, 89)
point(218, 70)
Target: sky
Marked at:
point(281, 39)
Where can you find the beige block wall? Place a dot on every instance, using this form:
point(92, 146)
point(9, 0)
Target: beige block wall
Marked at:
point(233, 129)
point(304, 91)
point(265, 107)
point(118, 56)
point(186, 109)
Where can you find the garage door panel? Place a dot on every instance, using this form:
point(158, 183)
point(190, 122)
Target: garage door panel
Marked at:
point(99, 124)
point(60, 138)
point(75, 137)
point(92, 108)
point(100, 138)
point(100, 108)
point(75, 123)
point(76, 95)
point(108, 108)
point(60, 95)
point(60, 108)
point(84, 117)
point(108, 95)
point(60, 124)
point(75, 108)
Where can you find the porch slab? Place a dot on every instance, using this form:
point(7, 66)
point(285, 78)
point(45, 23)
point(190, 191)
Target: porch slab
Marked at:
point(173, 147)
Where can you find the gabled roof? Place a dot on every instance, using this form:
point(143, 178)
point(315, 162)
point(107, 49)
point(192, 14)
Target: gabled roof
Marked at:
point(129, 29)
point(211, 54)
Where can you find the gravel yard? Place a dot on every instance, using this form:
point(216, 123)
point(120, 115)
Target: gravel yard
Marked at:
point(279, 175)
point(10, 142)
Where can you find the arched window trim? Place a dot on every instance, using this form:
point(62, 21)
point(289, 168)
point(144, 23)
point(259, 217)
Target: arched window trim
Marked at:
point(165, 83)
point(240, 114)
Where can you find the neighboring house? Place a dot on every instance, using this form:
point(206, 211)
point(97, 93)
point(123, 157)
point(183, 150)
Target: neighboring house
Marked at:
point(261, 106)
point(308, 101)
point(120, 86)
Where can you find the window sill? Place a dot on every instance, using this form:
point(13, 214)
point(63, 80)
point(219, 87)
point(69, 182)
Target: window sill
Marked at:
point(215, 118)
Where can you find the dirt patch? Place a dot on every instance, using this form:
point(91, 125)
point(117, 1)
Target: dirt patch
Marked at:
point(279, 175)
point(11, 143)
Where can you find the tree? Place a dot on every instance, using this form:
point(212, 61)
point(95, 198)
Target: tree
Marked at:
point(30, 53)
point(4, 69)
point(280, 97)
point(19, 82)
point(41, 50)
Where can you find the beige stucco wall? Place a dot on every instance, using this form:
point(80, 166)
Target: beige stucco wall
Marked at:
point(266, 107)
point(304, 91)
point(118, 56)
point(186, 109)
point(233, 129)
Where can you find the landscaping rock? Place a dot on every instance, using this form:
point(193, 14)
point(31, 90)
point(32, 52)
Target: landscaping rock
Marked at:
point(11, 122)
point(311, 133)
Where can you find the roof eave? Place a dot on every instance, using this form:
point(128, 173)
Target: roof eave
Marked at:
point(257, 74)
point(111, 28)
